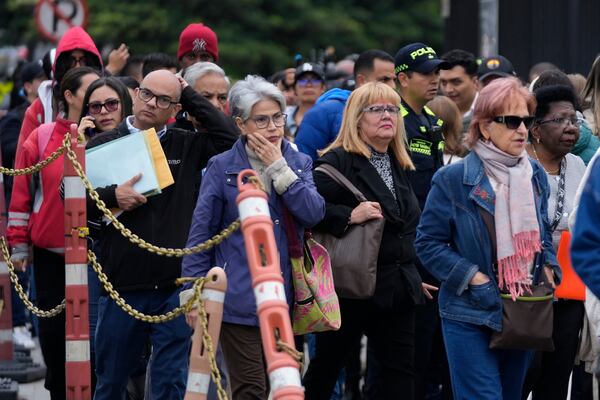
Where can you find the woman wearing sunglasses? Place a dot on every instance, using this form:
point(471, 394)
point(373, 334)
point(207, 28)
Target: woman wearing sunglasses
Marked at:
point(484, 220)
point(553, 137)
point(106, 103)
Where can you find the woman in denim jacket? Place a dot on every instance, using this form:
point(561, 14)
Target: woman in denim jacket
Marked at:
point(496, 181)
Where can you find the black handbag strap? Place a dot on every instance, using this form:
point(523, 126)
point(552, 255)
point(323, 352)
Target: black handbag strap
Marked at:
point(341, 180)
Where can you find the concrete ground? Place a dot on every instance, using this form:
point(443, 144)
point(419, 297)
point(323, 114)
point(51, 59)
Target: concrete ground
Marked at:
point(34, 390)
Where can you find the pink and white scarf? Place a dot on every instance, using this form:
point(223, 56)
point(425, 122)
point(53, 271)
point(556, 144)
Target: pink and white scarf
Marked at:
point(517, 227)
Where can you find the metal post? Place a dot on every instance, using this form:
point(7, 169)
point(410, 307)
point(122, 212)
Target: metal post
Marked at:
point(488, 28)
point(78, 370)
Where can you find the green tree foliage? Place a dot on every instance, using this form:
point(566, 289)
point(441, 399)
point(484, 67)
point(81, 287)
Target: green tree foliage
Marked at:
point(255, 36)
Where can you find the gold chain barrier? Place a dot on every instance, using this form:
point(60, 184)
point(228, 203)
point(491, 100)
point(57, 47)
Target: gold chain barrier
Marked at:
point(36, 167)
point(198, 283)
point(19, 289)
point(156, 319)
point(164, 251)
point(153, 319)
point(215, 374)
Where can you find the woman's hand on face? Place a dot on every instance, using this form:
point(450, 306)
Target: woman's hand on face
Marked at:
point(365, 211)
point(86, 123)
point(266, 151)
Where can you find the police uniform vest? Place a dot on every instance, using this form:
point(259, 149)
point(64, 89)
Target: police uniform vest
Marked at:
point(426, 145)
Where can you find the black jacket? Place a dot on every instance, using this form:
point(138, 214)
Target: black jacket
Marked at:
point(165, 219)
point(426, 146)
point(10, 126)
point(397, 277)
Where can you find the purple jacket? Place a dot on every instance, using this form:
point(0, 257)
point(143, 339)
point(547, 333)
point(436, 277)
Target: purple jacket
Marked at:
point(216, 209)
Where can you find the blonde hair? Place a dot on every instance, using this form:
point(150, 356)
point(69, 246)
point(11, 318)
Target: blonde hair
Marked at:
point(591, 92)
point(447, 111)
point(579, 82)
point(349, 136)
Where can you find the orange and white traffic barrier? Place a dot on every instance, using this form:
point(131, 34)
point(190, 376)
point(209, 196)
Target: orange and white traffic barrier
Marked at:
point(78, 370)
point(213, 296)
point(269, 291)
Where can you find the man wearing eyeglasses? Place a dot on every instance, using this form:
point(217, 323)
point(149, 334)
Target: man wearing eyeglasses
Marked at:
point(147, 281)
point(309, 84)
point(417, 67)
point(322, 122)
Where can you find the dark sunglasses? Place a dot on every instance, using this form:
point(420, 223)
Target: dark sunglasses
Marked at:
point(110, 105)
point(514, 122)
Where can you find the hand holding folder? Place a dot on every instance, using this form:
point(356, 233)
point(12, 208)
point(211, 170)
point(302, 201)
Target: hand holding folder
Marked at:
point(117, 161)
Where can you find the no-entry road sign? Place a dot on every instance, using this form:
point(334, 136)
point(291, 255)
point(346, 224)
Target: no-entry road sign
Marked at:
point(54, 17)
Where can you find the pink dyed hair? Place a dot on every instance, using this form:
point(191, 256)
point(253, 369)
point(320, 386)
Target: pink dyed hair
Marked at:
point(491, 103)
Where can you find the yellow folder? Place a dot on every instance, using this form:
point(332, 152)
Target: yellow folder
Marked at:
point(161, 166)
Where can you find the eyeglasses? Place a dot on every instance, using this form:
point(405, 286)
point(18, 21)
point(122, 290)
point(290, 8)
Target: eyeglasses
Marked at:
point(262, 121)
point(381, 110)
point(163, 102)
point(306, 82)
point(78, 61)
point(576, 122)
point(514, 121)
point(110, 105)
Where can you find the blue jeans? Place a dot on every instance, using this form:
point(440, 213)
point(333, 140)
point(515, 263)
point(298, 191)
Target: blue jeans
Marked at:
point(212, 388)
point(120, 341)
point(477, 372)
point(19, 316)
point(93, 295)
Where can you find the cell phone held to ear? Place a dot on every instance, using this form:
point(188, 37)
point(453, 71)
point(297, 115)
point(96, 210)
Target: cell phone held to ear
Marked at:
point(90, 132)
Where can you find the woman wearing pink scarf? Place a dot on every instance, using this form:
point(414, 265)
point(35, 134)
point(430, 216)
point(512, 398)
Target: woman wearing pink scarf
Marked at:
point(496, 188)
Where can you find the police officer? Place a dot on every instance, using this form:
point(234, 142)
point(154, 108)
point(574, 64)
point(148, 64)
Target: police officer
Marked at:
point(418, 71)
point(417, 67)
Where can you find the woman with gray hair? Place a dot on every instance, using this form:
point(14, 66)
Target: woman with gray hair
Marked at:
point(257, 107)
point(210, 81)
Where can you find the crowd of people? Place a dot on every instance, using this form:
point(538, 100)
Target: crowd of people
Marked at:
point(478, 175)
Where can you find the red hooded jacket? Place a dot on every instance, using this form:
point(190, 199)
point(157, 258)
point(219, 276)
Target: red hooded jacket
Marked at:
point(75, 38)
point(38, 218)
